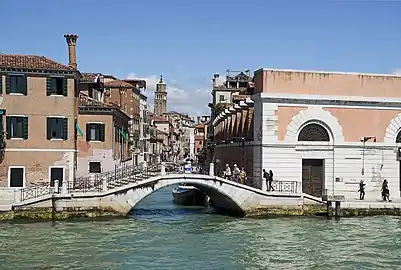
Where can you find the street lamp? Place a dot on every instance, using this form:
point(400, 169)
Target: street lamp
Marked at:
point(364, 140)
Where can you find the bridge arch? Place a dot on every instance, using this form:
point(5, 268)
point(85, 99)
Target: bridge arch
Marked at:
point(227, 196)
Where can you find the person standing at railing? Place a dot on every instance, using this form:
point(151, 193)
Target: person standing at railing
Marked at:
point(266, 178)
point(242, 176)
point(227, 172)
point(236, 172)
point(270, 181)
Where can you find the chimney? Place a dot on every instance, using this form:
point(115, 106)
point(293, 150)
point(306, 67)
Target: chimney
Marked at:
point(215, 78)
point(72, 55)
point(199, 118)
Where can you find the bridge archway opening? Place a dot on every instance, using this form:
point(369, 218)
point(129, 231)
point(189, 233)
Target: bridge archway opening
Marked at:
point(222, 203)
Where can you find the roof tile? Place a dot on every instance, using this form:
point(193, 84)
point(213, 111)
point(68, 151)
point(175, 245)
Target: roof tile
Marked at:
point(118, 83)
point(30, 62)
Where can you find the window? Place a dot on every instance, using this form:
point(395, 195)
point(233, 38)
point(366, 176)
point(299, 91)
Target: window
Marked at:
point(95, 167)
point(16, 84)
point(17, 127)
point(16, 176)
point(56, 86)
point(57, 128)
point(56, 173)
point(221, 97)
point(95, 132)
point(313, 132)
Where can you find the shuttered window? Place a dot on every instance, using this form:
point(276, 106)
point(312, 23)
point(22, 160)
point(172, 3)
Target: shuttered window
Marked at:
point(57, 86)
point(16, 84)
point(95, 132)
point(57, 128)
point(17, 127)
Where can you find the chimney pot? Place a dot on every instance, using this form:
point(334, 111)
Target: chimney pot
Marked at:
point(72, 55)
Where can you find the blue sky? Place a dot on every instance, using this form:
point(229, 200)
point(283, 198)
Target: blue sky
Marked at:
point(188, 41)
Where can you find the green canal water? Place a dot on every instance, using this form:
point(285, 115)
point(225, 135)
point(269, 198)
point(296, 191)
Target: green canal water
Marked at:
point(159, 235)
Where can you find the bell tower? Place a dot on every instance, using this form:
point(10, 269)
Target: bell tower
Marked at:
point(161, 97)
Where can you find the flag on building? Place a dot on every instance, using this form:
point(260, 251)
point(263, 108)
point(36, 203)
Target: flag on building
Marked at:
point(79, 131)
point(123, 134)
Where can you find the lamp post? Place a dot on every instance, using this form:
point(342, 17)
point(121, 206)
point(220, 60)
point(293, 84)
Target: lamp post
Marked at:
point(364, 140)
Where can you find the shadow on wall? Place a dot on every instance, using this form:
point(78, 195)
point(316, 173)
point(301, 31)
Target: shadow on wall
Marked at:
point(233, 154)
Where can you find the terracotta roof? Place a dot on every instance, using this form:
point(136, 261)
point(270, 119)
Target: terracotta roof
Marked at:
point(89, 77)
point(118, 83)
point(30, 62)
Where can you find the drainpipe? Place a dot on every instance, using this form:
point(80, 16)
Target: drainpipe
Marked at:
point(334, 158)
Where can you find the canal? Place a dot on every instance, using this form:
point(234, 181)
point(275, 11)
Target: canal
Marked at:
point(159, 235)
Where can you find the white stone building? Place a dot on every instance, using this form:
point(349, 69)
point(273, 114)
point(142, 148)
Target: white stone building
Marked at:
point(327, 131)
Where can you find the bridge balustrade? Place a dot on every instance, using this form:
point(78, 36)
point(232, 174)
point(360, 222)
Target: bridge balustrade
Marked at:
point(124, 175)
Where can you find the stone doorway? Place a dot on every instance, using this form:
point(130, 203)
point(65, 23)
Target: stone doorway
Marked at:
point(313, 177)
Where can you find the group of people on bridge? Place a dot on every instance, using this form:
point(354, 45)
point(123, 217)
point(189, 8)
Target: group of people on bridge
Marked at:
point(236, 175)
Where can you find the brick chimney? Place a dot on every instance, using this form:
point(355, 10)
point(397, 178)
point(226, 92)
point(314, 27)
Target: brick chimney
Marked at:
point(72, 54)
point(199, 119)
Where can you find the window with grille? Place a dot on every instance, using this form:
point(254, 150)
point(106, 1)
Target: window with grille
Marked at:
point(313, 132)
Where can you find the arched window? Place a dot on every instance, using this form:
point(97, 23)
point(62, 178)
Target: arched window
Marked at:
point(313, 132)
point(398, 138)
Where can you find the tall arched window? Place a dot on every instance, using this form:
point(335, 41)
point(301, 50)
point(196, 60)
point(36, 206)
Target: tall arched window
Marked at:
point(313, 132)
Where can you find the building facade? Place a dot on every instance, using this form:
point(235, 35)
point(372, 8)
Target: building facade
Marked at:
point(325, 130)
point(101, 145)
point(160, 104)
point(38, 115)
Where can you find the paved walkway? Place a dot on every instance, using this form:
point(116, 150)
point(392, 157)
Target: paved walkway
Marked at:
point(355, 204)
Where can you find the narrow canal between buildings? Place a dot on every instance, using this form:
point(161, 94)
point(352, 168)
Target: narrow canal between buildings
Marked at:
point(160, 235)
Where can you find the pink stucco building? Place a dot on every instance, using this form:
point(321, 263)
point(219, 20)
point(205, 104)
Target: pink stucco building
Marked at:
point(327, 130)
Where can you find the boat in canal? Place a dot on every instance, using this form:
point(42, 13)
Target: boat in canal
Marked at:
point(189, 195)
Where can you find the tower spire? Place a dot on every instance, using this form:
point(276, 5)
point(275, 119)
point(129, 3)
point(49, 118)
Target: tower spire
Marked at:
point(161, 79)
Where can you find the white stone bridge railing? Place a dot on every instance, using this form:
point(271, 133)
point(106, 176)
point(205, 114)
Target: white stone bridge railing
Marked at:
point(119, 177)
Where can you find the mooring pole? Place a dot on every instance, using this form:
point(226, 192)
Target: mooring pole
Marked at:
point(329, 209)
point(338, 208)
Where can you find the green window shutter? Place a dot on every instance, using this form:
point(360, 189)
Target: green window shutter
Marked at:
point(48, 128)
point(25, 128)
point(65, 87)
point(24, 86)
point(88, 132)
point(48, 86)
point(8, 84)
point(65, 129)
point(8, 127)
point(102, 131)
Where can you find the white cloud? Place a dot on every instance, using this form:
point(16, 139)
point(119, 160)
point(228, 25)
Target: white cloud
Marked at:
point(193, 101)
point(397, 72)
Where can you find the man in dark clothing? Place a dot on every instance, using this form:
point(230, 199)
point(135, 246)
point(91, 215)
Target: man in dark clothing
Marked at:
point(361, 190)
point(266, 177)
point(271, 180)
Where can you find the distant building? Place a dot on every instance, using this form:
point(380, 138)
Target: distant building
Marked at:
point(160, 104)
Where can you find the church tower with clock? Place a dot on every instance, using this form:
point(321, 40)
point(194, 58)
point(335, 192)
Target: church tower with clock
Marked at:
point(160, 97)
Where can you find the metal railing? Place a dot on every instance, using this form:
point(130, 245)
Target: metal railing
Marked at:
point(286, 186)
point(35, 192)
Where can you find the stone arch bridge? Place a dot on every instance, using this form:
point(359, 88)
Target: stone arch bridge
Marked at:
point(121, 194)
